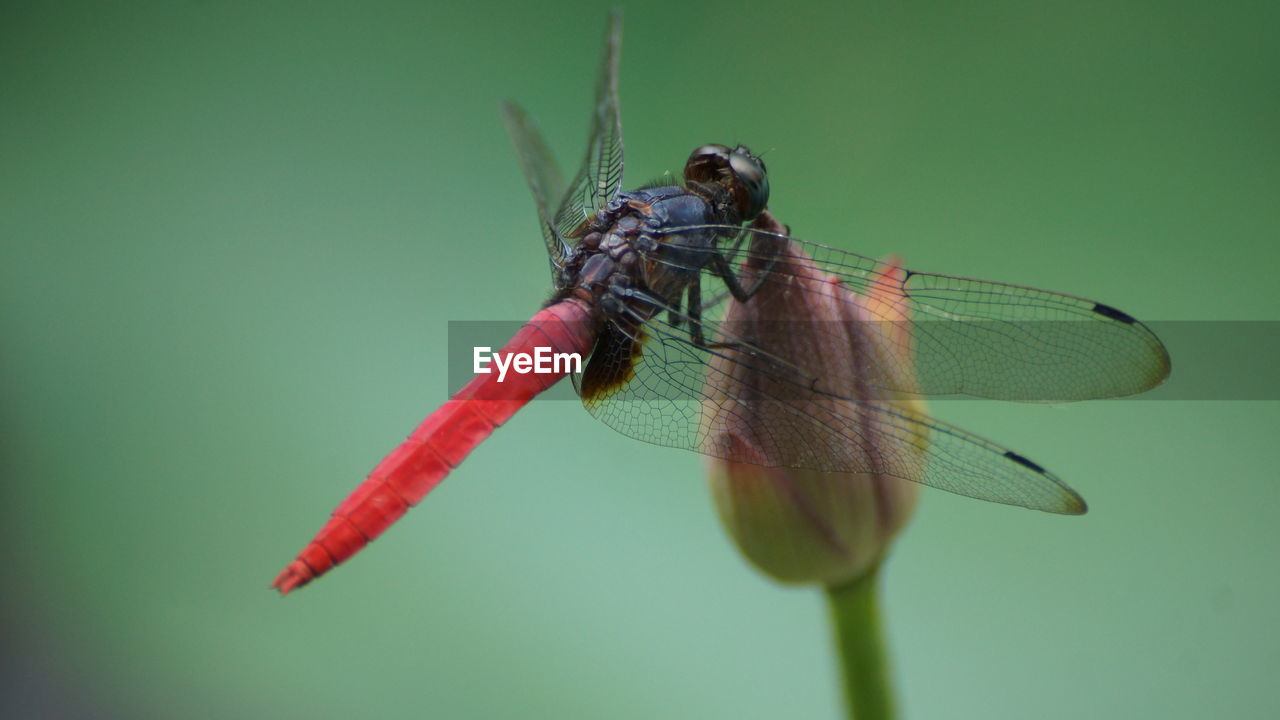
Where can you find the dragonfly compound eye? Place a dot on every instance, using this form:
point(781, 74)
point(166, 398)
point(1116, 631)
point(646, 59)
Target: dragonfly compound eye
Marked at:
point(707, 164)
point(750, 183)
point(737, 170)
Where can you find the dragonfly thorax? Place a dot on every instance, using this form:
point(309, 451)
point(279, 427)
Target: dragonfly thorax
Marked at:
point(648, 244)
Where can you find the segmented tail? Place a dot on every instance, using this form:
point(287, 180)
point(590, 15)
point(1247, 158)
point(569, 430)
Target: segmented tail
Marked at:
point(439, 444)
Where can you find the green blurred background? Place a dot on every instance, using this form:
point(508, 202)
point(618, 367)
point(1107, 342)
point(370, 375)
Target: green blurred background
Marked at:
point(231, 238)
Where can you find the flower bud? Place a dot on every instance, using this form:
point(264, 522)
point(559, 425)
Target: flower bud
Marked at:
point(799, 525)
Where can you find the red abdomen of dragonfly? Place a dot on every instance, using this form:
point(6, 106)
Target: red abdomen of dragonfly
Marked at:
point(440, 443)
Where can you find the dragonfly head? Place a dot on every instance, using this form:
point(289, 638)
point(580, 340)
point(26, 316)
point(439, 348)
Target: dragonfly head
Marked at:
point(737, 170)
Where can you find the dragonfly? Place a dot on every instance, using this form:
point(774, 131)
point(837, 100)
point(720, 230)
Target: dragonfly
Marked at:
point(685, 299)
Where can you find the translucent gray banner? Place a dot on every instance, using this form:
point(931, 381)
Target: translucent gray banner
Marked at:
point(1021, 361)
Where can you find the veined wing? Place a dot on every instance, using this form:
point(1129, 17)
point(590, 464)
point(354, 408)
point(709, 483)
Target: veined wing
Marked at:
point(973, 337)
point(600, 176)
point(544, 178)
point(752, 394)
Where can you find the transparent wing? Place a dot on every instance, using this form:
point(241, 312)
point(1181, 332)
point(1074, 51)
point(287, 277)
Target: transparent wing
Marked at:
point(970, 337)
point(543, 175)
point(733, 398)
point(600, 176)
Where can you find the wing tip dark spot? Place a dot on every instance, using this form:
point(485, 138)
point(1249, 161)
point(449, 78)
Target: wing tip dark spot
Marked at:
point(1071, 504)
point(1025, 462)
point(1115, 314)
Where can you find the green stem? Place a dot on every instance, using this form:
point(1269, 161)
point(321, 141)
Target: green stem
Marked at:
point(855, 618)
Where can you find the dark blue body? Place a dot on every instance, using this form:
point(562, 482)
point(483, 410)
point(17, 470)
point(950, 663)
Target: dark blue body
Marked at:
point(633, 248)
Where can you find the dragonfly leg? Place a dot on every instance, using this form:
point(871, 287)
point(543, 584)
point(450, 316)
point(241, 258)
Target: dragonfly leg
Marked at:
point(674, 317)
point(741, 293)
point(695, 312)
point(696, 335)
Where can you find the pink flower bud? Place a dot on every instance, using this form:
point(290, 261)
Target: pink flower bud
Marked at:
point(800, 525)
